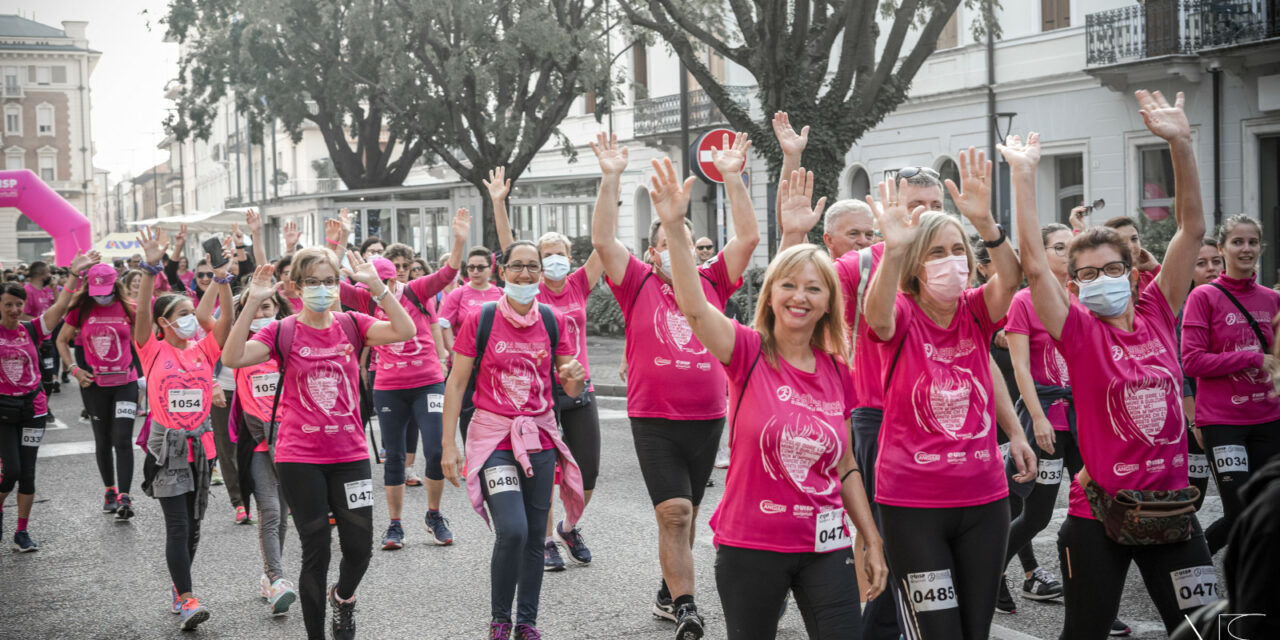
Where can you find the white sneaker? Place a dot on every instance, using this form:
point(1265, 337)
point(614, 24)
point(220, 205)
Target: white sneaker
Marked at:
point(265, 585)
point(722, 458)
point(282, 596)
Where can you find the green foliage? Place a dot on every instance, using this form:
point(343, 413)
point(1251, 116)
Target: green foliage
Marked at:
point(580, 250)
point(747, 295)
point(604, 316)
point(1156, 234)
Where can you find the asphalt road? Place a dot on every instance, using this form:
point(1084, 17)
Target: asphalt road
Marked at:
point(98, 578)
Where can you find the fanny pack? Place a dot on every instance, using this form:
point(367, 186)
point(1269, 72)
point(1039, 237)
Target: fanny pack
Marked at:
point(18, 409)
point(1143, 518)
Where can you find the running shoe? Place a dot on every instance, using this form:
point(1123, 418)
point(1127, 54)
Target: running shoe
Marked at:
point(573, 543)
point(499, 631)
point(688, 622)
point(1004, 601)
point(215, 478)
point(333, 522)
point(527, 632)
point(722, 458)
point(664, 607)
point(109, 501)
point(282, 596)
point(411, 479)
point(242, 516)
point(192, 614)
point(1041, 586)
point(711, 482)
point(551, 560)
point(1119, 629)
point(394, 537)
point(343, 621)
point(125, 510)
point(176, 607)
point(264, 587)
point(22, 542)
point(438, 527)
point(48, 418)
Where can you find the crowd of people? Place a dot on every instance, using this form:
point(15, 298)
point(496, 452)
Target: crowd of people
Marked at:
point(904, 404)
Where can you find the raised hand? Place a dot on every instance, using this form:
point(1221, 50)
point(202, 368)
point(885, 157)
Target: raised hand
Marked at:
point(261, 287)
point(670, 198)
point(236, 233)
point(1168, 122)
point(1144, 261)
point(897, 226)
point(253, 221)
point(83, 261)
point(291, 235)
point(228, 252)
point(333, 233)
point(361, 271)
point(730, 159)
point(498, 184)
point(791, 143)
point(154, 243)
point(572, 371)
point(799, 214)
point(973, 198)
point(181, 238)
point(461, 224)
point(1077, 219)
point(344, 216)
point(612, 158)
point(1020, 156)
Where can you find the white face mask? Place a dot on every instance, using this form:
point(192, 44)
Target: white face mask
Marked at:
point(185, 327)
point(104, 300)
point(665, 258)
point(259, 324)
point(521, 293)
point(555, 267)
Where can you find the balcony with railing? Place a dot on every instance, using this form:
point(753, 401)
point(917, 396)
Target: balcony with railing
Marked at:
point(658, 116)
point(1176, 27)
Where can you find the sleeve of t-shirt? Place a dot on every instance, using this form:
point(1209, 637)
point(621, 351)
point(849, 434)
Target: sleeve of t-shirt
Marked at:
point(565, 346)
point(363, 323)
point(267, 336)
point(464, 343)
point(353, 297)
point(449, 309)
point(718, 274)
point(209, 345)
point(578, 281)
point(977, 302)
point(1154, 308)
point(428, 285)
point(147, 351)
point(626, 290)
point(1076, 329)
point(746, 344)
point(1017, 320)
point(73, 317)
point(902, 311)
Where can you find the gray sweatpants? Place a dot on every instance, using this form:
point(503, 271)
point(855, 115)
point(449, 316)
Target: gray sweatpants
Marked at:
point(272, 522)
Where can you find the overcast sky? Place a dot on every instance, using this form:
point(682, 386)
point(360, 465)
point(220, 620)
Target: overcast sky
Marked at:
point(128, 82)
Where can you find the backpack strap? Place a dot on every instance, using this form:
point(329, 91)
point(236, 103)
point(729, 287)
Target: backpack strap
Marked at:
point(864, 274)
point(743, 392)
point(349, 327)
point(413, 298)
point(641, 287)
point(282, 346)
point(1262, 340)
point(30, 326)
point(894, 364)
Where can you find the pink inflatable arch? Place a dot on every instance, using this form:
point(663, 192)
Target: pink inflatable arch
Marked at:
point(23, 190)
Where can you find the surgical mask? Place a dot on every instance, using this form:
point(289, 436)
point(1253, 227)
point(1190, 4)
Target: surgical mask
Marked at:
point(947, 278)
point(319, 298)
point(521, 293)
point(259, 324)
point(555, 267)
point(665, 257)
point(1106, 296)
point(185, 327)
point(104, 300)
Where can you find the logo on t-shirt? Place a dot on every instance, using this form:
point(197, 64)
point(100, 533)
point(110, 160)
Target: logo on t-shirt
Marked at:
point(944, 400)
point(784, 393)
point(1056, 366)
point(771, 507)
point(1123, 468)
point(673, 329)
point(106, 344)
point(1139, 409)
point(322, 387)
point(18, 368)
point(925, 458)
point(804, 448)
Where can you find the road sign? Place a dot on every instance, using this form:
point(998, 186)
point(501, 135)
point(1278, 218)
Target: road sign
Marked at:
point(700, 154)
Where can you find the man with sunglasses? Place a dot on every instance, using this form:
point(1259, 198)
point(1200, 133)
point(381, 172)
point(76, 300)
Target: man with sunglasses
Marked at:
point(706, 250)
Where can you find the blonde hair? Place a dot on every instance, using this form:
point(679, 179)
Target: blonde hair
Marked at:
point(828, 334)
point(555, 236)
point(931, 223)
point(307, 259)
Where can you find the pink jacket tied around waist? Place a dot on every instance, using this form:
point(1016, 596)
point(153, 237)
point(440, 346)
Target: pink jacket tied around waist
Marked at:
point(488, 429)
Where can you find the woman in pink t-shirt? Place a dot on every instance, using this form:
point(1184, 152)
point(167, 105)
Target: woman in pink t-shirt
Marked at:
point(23, 403)
point(1122, 357)
point(1231, 359)
point(177, 361)
point(780, 526)
point(513, 444)
point(467, 298)
point(940, 479)
point(566, 290)
point(321, 455)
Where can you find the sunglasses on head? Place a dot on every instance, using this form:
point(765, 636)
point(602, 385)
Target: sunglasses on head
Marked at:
point(911, 172)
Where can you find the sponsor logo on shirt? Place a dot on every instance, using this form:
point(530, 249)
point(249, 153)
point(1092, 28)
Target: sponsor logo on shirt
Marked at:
point(1155, 466)
point(784, 393)
point(982, 454)
point(769, 506)
point(1149, 349)
point(1123, 468)
point(926, 458)
point(949, 354)
point(704, 366)
point(330, 429)
point(310, 428)
point(661, 362)
point(1239, 399)
point(802, 510)
point(957, 457)
point(1116, 352)
point(1179, 460)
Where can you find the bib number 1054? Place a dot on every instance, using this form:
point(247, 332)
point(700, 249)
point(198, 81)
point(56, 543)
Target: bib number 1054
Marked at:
point(185, 400)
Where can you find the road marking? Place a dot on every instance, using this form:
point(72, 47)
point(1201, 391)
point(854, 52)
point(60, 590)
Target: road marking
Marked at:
point(613, 414)
point(1000, 632)
point(65, 449)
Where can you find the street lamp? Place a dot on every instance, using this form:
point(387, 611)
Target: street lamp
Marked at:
point(1002, 198)
point(1008, 124)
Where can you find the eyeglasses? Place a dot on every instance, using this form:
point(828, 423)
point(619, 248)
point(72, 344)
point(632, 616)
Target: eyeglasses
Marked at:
point(477, 267)
point(401, 266)
point(312, 282)
point(204, 274)
point(705, 247)
point(528, 268)
point(372, 254)
point(911, 172)
point(1110, 269)
point(1059, 248)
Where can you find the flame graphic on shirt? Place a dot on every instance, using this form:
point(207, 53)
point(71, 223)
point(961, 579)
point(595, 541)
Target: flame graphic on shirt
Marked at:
point(19, 369)
point(106, 345)
point(943, 399)
point(1056, 366)
point(673, 329)
point(795, 446)
point(519, 385)
point(411, 347)
point(325, 383)
point(1139, 409)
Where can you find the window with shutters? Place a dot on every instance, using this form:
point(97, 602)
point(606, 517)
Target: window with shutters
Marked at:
point(44, 75)
point(12, 82)
point(44, 120)
point(13, 120)
point(1055, 14)
point(13, 159)
point(48, 167)
point(950, 36)
point(59, 75)
point(640, 70)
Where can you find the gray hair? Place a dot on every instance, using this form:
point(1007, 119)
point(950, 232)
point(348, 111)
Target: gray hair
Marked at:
point(843, 207)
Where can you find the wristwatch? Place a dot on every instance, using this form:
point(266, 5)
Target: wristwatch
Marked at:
point(991, 244)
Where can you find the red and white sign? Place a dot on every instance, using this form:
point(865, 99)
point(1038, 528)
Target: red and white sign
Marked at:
point(701, 154)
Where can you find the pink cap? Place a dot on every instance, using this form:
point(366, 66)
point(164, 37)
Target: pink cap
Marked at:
point(102, 279)
point(385, 268)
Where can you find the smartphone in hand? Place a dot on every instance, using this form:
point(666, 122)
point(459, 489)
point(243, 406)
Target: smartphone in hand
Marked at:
point(213, 247)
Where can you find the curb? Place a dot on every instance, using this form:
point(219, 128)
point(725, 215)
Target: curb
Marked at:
point(618, 390)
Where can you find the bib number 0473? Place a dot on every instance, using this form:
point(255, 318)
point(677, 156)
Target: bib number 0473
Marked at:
point(829, 533)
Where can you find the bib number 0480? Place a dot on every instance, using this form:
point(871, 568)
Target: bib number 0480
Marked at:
point(502, 479)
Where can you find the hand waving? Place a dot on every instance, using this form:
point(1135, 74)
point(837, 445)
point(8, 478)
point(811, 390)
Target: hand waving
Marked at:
point(1168, 122)
point(84, 261)
point(799, 215)
point(612, 158)
point(1021, 157)
point(291, 235)
point(898, 226)
point(154, 243)
point(670, 198)
point(262, 286)
point(791, 143)
point(461, 224)
point(253, 221)
point(361, 271)
point(973, 199)
point(731, 159)
point(497, 184)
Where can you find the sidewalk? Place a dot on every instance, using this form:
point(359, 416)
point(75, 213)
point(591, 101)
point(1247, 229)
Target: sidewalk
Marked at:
point(604, 355)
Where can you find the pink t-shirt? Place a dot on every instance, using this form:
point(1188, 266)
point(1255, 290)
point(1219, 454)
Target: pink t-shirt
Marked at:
point(1222, 352)
point(1047, 365)
point(188, 279)
point(464, 300)
point(179, 381)
point(105, 335)
point(571, 303)
point(938, 441)
point(412, 363)
point(20, 363)
point(515, 373)
point(868, 383)
point(670, 374)
point(256, 389)
point(790, 433)
point(320, 407)
point(1131, 433)
point(38, 300)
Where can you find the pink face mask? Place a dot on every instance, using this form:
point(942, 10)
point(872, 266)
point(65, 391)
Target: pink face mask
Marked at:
point(946, 278)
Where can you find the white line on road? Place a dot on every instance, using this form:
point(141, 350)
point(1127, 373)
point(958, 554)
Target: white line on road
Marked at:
point(1000, 632)
point(65, 449)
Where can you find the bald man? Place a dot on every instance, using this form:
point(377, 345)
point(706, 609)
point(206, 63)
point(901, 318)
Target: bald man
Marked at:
point(706, 249)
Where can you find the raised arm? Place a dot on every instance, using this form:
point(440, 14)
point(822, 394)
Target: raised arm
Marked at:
point(499, 186)
point(746, 231)
point(221, 290)
point(239, 350)
point(796, 210)
point(670, 200)
point(204, 306)
point(58, 309)
point(1170, 123)
point(974, 202)
point(792, 145)
point(254, 222)
point(154, 242)
point(290, 234)
point(398, 326)
point(604, 221)
point(1047, 295)
point(899, 229)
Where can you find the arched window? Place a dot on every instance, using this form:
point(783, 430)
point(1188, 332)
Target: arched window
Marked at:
point(859, 184)
point(947, 170)
point(25, 224)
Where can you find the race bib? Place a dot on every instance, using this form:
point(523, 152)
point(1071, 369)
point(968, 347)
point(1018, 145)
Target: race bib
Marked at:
point(435, 403)
point(829, 533)
point(126, 410)
point(1050, 472)
point(48, 363)
point(1197, 465)
point(1231, 458)
point(186, 400)
point(931, 591)
point(1195, 586)
point(1004, 450)
point(359, 493)
point(31, 436)
point(264, 384)
point(501, 479)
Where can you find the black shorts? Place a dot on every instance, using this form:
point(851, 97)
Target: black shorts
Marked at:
point(676, 456)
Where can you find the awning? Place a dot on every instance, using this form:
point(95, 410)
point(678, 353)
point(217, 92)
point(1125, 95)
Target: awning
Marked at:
point(197, 220)
point(118, 245)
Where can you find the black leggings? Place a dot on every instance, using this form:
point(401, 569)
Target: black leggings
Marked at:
point(581, 427)
point(18, 456)
point(753, 585)
point(313, 491)
point(111, 412)
point(1222, 444)
point(1197, 468)
point(519, 513)
point(946, 564)
point(182, 535)
point(1055, 469)
point(1094, 569)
